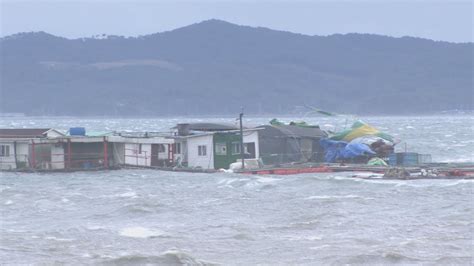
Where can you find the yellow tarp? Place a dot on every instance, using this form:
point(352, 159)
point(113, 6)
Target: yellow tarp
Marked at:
point(361, 131)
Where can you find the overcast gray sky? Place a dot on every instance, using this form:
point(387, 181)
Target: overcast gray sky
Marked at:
point(447, 20)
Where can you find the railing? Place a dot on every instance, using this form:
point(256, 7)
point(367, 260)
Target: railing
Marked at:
point(146, 159)
point(50, 156)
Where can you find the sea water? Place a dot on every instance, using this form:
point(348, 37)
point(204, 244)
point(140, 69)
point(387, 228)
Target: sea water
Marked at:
point(141, 217)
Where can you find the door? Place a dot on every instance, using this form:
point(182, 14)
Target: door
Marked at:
point(306, 149)
point(154, 155)
point(250, 150)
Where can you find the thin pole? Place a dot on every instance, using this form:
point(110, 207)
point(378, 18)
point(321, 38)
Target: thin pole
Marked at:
point(106, 155)
point(14, 152)
point(69, 153)
point(242, 139)
point(171, 153)
point(33, 154)
point(146, 159)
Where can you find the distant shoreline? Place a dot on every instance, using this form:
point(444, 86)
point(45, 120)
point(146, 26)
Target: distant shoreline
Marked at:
point(25, 116)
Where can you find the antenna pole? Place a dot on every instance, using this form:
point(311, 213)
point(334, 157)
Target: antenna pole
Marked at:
point(242, 139)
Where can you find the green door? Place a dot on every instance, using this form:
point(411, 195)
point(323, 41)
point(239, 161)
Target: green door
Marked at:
point(224, 155)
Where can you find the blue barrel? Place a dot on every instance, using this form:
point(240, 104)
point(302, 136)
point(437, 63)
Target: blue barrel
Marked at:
point(77, 131)
point(392, 159)
point(403, 159)
point(87, 165)
point(410, 158)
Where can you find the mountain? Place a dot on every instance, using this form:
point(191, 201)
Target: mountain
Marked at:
point(215, 67)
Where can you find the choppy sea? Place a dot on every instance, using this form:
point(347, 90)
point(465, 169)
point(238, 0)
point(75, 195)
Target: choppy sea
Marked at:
point(139, 217)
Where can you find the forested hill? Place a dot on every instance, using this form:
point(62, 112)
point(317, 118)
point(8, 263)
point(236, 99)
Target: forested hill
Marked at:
point(215, 67)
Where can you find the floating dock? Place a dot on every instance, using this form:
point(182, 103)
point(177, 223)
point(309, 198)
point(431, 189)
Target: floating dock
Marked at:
point(431, 171)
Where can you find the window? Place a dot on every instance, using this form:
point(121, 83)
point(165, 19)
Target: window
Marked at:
point(221, 148)
point(161, 148)
point(177, 148)
point(139, 148)
point(235, 147)
point(4, 150)
point(202, 150)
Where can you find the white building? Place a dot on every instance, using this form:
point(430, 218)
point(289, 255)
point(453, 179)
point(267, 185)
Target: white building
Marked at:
point(18, 148)
point(146, 151)
point(213, 146)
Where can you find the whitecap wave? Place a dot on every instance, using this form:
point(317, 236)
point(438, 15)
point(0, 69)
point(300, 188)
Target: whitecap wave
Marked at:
point(326, 197)
point(169, 257)
point(435, 183)
point(140, 232)
point(130, 194)
point(58, 239)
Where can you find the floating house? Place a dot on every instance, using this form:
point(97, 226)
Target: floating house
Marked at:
point(197, 145)
point(110, 149)
point(212, 146)
point(18, 148)
point(146, 149)
point(281, 144)
point(50, 149)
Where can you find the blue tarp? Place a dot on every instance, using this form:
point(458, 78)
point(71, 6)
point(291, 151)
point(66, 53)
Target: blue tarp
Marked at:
point(332, 149)
point(354, 149)
point(336, 150)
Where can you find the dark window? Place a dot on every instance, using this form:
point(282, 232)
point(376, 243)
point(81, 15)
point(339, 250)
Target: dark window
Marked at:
point(221, 148)
point(235, 147)
point(5, 151)
point(177, 148)
point(139, 148)
point(202, 150)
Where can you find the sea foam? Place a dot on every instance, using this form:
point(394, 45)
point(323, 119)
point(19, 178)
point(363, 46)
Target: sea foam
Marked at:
point(140, 232)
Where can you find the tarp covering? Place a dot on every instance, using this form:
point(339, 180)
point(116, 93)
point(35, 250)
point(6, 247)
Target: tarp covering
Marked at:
point(339, 150)
point(360, 129)
point(332, 149)
point(353, 150)
point(369, 140)
point(376, 161)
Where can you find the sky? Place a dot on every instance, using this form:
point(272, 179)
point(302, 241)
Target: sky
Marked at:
point(447, 20)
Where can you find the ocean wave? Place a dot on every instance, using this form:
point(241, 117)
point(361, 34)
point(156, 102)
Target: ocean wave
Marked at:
point(304, 224)
point(329, 197)
point(467, 159)
point(169, 257)
point(434, 183)
point(58, 239)
point(305, 237)
point(258, 182)
point(128, 194)
point(321, 247)
point(242, 236)
point(230, 182)
point(4, 188)
point(141, 207)
point(140, 232)
point(373, 259)
point(454, 261)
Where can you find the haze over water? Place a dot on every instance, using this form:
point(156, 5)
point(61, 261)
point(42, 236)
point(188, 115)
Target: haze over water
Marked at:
point(146, 216)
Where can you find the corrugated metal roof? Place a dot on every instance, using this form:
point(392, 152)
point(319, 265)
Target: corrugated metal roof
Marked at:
point(210, 127)
point(23, 132)
point(99, 133)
